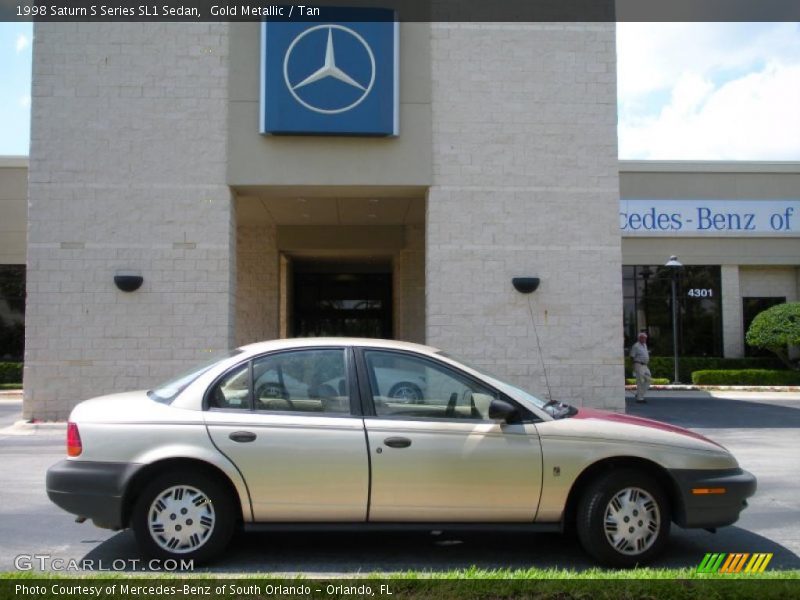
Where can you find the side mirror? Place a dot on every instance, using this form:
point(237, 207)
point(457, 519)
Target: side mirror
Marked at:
point(500, 410)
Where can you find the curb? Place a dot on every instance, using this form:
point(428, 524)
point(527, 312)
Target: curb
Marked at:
point(28, 428)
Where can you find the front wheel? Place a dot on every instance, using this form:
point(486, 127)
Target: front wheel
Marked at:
point(623, 518)
point(187, 516)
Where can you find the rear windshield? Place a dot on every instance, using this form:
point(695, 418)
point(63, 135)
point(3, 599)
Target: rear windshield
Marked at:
point(169, 390)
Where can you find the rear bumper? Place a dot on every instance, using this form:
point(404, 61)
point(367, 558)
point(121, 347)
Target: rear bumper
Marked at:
point(93, 490)
point(712, 510)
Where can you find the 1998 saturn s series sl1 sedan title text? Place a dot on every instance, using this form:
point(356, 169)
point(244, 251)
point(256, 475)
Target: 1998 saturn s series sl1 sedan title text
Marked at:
point(286, 433)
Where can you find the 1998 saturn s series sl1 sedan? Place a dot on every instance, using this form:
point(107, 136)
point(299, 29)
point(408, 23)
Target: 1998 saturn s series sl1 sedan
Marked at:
point(287, 433)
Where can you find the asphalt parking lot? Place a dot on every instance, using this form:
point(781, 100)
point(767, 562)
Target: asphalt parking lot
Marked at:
point(762, 430)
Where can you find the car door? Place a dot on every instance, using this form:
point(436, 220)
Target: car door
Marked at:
point(286, 421)
point(440, 458)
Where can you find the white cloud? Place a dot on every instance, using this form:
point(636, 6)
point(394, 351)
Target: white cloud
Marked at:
point(709, 91)
point(652, 56)
point(23, 41)
point(25, 101)
point(753, 117)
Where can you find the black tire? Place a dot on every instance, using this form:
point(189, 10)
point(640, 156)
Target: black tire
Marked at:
point(640, 509)
point(208, 544)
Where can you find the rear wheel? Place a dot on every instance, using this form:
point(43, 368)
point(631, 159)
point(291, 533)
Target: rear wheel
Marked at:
point(623, 518)
point(186, 516)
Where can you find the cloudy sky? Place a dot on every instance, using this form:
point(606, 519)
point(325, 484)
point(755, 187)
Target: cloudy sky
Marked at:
point(709, 91)
point(687, 91)
point(15, 87)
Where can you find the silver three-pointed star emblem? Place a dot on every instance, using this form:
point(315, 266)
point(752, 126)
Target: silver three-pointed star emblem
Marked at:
point(329, 69)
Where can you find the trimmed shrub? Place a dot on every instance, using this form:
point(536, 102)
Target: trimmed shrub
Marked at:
point(746, 377)
point(655, 381)
point(776, 329)
point(661, 367)
point(10, 372)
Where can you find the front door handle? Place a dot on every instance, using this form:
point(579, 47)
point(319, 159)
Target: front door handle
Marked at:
point(397, 442)
point(242, 436)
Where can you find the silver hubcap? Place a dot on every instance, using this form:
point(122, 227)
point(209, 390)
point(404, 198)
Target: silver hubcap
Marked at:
point(632, 521)
point(405, 392)
point(271, 391)
point(181, 519)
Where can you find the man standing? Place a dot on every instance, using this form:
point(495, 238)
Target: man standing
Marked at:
point(641, 356)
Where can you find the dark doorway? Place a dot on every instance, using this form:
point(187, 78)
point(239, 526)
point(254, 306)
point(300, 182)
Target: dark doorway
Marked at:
point(342, 299)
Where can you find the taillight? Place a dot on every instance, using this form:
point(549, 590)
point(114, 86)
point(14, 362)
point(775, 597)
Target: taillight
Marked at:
point(74, 446)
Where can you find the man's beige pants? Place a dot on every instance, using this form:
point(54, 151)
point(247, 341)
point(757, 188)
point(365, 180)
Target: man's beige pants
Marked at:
point(643, 379)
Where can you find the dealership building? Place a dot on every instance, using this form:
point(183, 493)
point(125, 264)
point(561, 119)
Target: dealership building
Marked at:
point(364, 179)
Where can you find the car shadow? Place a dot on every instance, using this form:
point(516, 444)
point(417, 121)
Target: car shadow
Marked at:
point(397, 552)
point(716, 413)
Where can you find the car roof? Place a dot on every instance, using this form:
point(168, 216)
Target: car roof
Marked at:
point(288, 343)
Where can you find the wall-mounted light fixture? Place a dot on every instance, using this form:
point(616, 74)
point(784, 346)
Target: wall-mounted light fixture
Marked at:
point(525, 285)
point(128, 281)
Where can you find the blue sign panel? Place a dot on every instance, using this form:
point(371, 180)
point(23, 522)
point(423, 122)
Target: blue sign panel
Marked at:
point(338, 78)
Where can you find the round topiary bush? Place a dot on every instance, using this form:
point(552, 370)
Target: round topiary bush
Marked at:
point(776, 329)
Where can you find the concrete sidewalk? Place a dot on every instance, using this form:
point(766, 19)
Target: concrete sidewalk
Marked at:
point(8, 396)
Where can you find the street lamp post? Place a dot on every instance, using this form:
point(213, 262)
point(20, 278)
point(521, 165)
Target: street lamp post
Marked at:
point(675, 267)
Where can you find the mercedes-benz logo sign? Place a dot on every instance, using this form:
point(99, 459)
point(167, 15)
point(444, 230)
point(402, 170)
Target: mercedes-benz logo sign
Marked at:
point(329, 69)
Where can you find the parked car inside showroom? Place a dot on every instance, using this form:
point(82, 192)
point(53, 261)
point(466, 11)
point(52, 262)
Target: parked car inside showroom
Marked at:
point(187, 463)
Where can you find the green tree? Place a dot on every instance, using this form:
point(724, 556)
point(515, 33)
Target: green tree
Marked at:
point(776, 329)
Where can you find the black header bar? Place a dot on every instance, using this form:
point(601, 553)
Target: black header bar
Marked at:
point(407, 10)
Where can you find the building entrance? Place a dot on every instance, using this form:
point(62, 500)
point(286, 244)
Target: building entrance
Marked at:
point(342, 299)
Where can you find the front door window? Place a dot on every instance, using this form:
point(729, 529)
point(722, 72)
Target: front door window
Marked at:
point(410, 387)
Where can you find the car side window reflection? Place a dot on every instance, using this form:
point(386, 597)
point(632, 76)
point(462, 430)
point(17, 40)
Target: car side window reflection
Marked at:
point(405, 386)
point(306, 381)
point(232, 391)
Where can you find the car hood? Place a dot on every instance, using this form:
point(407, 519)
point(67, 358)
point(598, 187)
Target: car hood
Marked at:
point(601, 424)
point(127, 407)
point(591, 413)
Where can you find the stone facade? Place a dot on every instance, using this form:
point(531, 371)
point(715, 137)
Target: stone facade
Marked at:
point(13, 209)
point(526, 183)
point(127, 172)
point(130, 170)
point(409, 287)
point(257, 287)
point(732, 336)
point(770, 281)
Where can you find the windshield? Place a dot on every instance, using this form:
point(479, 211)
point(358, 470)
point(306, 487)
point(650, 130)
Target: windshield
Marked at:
point(169, 390)
point(509, 389)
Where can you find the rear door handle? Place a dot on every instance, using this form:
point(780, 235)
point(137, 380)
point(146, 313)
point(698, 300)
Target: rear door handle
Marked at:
point(397, 442)
point(242, 436)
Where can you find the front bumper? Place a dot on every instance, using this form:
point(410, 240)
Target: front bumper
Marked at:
point(712, 510)
point(89, 489)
